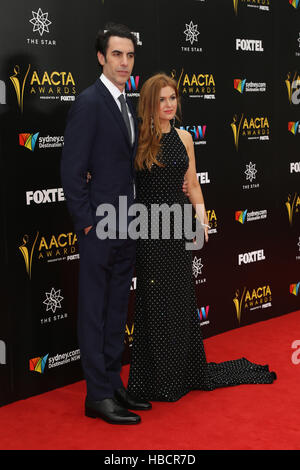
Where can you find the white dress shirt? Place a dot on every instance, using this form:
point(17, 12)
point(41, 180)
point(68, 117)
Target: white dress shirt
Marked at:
point(115, 92)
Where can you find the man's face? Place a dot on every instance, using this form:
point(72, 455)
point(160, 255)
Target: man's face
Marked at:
point(119, 61)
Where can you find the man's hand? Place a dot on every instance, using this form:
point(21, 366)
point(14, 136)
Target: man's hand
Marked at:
point(87, 229)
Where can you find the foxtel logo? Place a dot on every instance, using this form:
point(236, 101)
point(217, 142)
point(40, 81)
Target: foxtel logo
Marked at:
point(252, 45)
point(251, 257)
point(203, 177)
point(294, 167)
point(42, 196)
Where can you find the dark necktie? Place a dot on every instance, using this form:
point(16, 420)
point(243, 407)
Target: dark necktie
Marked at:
point(125, 115)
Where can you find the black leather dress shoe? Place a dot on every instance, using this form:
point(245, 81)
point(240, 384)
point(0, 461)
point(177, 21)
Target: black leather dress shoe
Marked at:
point(110, 411)
point(123, 397)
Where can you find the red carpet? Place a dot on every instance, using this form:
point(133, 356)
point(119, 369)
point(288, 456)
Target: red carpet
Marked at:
point(262, 417)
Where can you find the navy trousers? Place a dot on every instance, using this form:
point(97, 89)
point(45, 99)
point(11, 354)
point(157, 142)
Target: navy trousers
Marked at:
point(105, 275)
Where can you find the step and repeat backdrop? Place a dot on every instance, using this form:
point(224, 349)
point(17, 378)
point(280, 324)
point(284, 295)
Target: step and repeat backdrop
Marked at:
point(237, 66)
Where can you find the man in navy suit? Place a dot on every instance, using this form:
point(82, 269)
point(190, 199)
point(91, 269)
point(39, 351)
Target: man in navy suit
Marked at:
point(101, 137)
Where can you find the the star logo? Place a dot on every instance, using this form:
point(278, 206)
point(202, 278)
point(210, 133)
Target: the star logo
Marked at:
point(53, 300)
point(40, 22)
point(197, 266)
point(250, 172)
point(191, 32)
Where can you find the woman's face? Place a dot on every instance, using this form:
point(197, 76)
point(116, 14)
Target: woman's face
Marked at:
point(167, 103)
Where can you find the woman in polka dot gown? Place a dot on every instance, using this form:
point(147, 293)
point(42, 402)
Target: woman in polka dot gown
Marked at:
point(167, 357)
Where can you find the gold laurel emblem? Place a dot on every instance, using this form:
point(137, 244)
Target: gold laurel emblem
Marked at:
point(28, 253)
point(173, 75)
point(288, 83)
point(19, 88)
point(129, 332)
point(236, 130)
point(238, 303)
point(290, 205)
point(235, 6)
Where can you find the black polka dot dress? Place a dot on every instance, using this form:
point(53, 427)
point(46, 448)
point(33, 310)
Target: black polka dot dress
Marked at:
point(167, 355)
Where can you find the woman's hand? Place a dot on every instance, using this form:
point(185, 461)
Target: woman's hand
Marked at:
point(185, 187)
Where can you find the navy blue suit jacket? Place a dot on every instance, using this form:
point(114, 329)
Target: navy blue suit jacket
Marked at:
point(96, 139)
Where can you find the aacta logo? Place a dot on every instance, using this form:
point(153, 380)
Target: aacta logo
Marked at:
point(252, 299)
point(251, 128)
point(261, 4)
point(38, 364)
point(195, 84)
point(201, 83)
point(52, 83)
point(56, 247)
point(212, 220)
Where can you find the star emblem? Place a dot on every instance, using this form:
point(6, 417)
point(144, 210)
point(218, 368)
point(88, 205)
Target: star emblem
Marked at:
point(53, 300)
point(191, 32)
point(40, 22)
point(250, 172)
point(197, 266)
